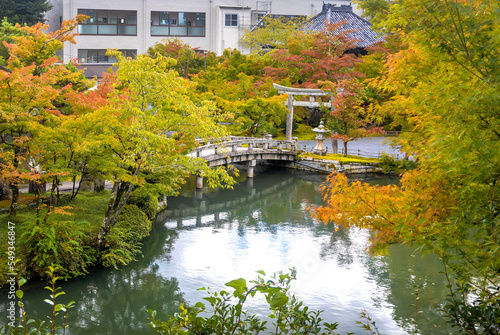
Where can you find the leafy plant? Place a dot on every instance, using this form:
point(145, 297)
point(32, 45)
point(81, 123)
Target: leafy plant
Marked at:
point(30, 326)
point(390, 164)
point(368, 324)
point(145, 200)
point(123, 243)
point(227, 315)
point(59, 244)
point(132, 223)
point(473, 306)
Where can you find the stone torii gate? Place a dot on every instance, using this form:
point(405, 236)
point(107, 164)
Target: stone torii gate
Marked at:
point(291, 91)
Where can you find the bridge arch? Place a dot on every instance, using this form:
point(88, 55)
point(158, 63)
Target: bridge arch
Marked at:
point(245, 149)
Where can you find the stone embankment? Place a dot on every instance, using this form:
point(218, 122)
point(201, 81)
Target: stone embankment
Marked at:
point(329, 166)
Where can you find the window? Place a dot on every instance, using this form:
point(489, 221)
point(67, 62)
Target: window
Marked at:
point(177, 24)
point(93, 56)
point(231, 20)
point(108, 22)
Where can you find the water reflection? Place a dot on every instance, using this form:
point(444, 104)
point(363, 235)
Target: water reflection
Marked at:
point(208, 239)
point(231, 234)
point(115, 302)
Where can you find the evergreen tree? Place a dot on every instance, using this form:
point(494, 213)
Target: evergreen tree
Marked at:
point(24, 12)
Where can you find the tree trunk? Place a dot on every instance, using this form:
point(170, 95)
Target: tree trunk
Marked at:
point(345, 148)
point(54, 198)
point(103, 231)
point(119, 194)
point(116, 203)
point(14, 186)
point(79, 187)
point(5, 191)
point(115, 207)
point(15, 198)
point(73, 188)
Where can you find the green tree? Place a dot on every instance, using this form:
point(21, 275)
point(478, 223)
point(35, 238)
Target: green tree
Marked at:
point(151, 124)
point(271, 33)
point(189, 60)
point(7, 31)
point(242, 95)
point(375, 11)
point(25, 12)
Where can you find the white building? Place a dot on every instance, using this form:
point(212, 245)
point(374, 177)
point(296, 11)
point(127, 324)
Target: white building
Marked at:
point(133, 26)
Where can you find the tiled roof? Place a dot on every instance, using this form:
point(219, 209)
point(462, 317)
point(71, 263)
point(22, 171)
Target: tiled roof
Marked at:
point(361, 29)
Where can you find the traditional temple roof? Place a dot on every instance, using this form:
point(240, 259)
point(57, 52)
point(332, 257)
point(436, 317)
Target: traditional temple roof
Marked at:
point(361, 29)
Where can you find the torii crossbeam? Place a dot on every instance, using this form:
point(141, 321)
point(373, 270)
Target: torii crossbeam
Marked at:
point(291, 91)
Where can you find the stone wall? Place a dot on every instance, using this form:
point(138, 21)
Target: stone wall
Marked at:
point(329, 166)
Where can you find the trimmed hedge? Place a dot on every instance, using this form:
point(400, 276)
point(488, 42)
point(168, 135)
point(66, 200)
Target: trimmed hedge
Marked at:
point(132, 223)
point(146, 201)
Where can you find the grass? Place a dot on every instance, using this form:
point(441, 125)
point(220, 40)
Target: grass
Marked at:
point(341, 158)
point(89, 207)
point(85, 208)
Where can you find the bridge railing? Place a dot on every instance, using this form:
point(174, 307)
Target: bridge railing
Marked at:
point(392, 133)
point(248, 144)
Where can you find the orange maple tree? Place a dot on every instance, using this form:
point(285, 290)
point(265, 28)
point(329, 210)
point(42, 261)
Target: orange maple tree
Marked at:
point(29, 88)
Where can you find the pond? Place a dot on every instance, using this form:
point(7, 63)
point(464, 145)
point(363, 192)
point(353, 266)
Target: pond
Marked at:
point(207, 239)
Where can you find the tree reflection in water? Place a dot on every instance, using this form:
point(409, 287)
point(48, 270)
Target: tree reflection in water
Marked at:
point(208, 239)
point(277, 214)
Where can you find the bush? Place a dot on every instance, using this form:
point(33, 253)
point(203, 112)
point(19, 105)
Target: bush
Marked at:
point(123, 240)
point(389, 164)
point(146, 200)
point(132, 224)
point(62, 244)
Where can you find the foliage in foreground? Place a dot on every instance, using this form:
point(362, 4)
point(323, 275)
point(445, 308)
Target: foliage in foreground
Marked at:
point(443, 91)
point(228, 316)
point(25, 325)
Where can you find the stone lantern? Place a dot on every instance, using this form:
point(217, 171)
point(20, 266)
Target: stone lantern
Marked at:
point(320, 131)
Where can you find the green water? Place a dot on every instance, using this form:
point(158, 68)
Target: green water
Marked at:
point(208, 239)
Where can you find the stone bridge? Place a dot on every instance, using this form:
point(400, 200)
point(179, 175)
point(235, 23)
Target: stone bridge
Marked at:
point(238, 150)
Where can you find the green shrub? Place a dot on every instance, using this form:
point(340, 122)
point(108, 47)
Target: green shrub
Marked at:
point(122, 243)
point(146, 200)
point(390, 164)
point(132, 224)
point(62, 244)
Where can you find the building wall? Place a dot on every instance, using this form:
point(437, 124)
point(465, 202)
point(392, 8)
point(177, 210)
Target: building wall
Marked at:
point(217, 37)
